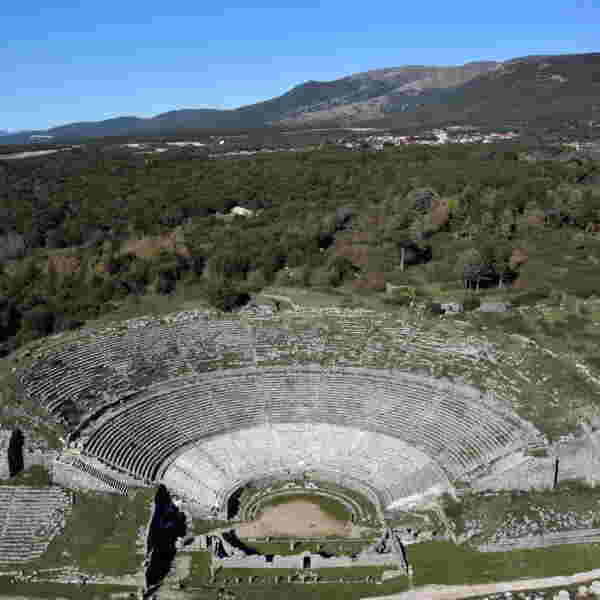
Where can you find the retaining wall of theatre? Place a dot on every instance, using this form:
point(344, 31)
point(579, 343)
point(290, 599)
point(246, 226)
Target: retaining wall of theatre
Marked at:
point(386, 551)
point(5, 435)
point(71, 476)
point(577, 458)
point(79, 471)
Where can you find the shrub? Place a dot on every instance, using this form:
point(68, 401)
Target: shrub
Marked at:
point(372, 281)
point(39, 320)
point(165, 283)
point(340, 269)
point(225, 296)
point(398, 300)
point(453, 508)
point(320, 277)
point(436, 308)
point(471, 302)
point(256, 280)
point(531, 298)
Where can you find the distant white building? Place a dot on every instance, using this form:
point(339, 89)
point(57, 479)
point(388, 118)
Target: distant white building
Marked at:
point(40, 138)
point(183, 144)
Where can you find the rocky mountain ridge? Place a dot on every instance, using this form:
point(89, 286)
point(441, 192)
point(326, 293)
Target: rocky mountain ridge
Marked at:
point(562, 86)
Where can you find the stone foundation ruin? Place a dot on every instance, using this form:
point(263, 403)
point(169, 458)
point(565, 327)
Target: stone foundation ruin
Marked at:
point(226, 553)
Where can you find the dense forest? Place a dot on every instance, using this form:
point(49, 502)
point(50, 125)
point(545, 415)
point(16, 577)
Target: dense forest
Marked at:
point(86, 228)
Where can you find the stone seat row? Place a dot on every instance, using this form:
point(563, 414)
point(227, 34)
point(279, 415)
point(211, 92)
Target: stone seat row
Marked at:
point(365, 467)
point(176, 404)
point(70, 391)
point(90, 351)
point(194, 476)
point(92, 449)
point(325, 439)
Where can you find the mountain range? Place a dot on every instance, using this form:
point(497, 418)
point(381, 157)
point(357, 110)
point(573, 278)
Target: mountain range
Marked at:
point(557, 87)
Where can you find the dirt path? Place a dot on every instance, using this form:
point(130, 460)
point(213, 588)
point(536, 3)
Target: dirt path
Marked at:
point(296, 518)
point(455, 592)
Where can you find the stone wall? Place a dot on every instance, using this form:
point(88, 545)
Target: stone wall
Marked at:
point(578, 458)
point(4, 442)
point(296, 561)
point(75, 472)
point(387, 551)
point(70, 476)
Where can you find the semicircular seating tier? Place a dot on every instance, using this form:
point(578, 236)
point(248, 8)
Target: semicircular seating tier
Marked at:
point(381, 467)
point(150, 390)
point(73, 376)
point(454, 428)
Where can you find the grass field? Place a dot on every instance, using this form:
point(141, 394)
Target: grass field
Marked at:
point(58, 591)
point(445, 563)
point(101, 534)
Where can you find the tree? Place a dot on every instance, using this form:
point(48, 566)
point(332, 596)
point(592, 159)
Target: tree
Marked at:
point(226, 296)
point(475, 268)
point(340, 269)
point(39, 321)
point(506, 224)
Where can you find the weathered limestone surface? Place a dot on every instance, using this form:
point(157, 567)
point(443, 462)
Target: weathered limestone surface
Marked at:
point(392, 467)
point(4, 442)
point(578, 458)
point(29, 519)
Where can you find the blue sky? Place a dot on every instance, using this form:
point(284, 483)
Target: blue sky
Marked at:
point(75, 60)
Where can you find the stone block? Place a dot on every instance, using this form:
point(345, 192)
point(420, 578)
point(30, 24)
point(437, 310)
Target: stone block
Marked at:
point(494, 307)
point(453, 307)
